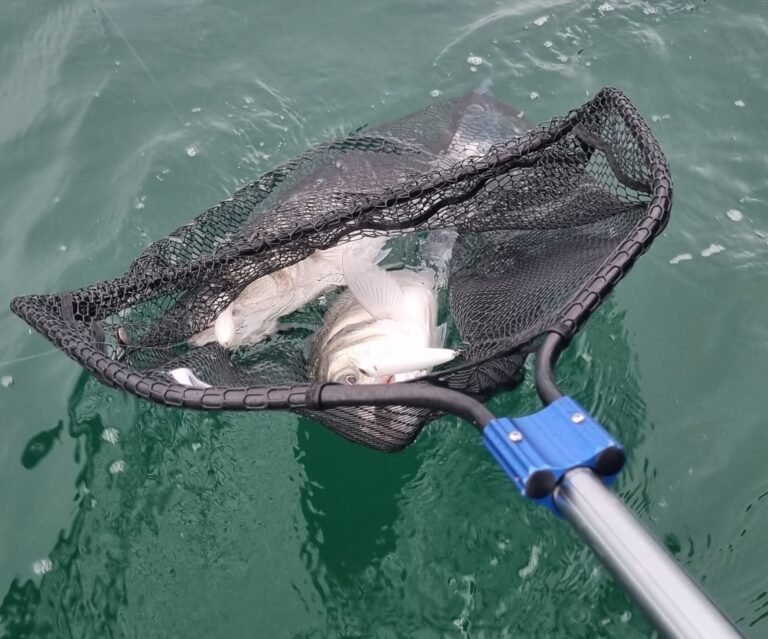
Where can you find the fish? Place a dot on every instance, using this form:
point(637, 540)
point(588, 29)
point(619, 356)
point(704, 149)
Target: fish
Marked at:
point(187, 377)
point(382, 329)
point(484, 122)
point(256, 311)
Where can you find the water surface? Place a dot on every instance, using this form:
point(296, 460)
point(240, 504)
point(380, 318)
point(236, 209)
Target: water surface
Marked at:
point(121, 121)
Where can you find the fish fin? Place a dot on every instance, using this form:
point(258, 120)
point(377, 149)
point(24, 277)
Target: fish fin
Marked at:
point(187, 378)
point(203, 337)
point(416, 359)
point(381, 255)
point(440, 334)
point(374, 288)
point(224, 327)
point(368, 249)
point(485, 87)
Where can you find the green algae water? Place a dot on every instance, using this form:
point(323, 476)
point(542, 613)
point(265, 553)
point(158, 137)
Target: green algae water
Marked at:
point(119, 518)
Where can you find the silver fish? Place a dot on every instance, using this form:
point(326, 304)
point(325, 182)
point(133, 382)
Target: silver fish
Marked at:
point(382, 330)
point(484, 122)
point(254, 314)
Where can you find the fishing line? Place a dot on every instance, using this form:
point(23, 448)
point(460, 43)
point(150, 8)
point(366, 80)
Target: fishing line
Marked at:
point(28, 357)
point(136, 55)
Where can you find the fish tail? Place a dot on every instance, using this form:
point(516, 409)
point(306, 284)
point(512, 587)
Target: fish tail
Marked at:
point(485, 87)
point(368, 249)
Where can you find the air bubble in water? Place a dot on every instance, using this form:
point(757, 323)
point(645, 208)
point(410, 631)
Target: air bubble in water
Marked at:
point(434, 93)
point(735, 215)
point(549, 44)
point(42, 566)
point(110, 435)
point(191, 151)
point(474, 60)
point(534, 95)
point(117, 467)
point(683, 257)
point(6, 381)
point(712, 249)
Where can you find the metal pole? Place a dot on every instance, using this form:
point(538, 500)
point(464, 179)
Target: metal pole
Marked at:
point(673, 602)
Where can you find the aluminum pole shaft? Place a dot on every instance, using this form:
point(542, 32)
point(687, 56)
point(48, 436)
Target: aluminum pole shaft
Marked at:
point(671, 599)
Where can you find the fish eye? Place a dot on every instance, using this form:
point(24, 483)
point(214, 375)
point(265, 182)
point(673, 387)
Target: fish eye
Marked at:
point(350, 379)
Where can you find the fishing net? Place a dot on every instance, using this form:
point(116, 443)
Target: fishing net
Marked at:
point(544, 220)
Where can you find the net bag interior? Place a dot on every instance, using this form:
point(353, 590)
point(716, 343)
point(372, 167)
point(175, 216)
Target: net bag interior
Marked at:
point(546, 221)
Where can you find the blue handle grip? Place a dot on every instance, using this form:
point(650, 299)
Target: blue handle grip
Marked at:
point(537, 450)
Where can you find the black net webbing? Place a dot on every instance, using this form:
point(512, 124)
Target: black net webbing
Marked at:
point(544, 221)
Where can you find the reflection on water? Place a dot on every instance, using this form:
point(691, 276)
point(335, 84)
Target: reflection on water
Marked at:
point(435, 539)
point(201, 518)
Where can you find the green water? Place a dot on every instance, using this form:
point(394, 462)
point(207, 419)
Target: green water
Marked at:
point(195, 525)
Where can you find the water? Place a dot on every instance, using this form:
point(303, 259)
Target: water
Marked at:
point(120, 518)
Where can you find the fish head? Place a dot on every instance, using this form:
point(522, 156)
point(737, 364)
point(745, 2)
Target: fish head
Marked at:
point(386, 360)
point(348, 367)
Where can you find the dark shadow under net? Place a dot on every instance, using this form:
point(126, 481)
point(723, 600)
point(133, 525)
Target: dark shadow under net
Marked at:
point(538, 216)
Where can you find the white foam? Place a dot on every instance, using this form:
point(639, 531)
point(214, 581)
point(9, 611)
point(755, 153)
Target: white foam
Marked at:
point(712, 249)
point(42, 566)
point(533, 562)
point(735, 215)
point(191, 151)
point(434, 93)
point(195, 109)
point(681, 258)
point(110, 435)
point(474, 60)
point(605, 7)
point(117, 467)
point(740, 103)
point(540, 22)
point(534, 95)
point(6, 381)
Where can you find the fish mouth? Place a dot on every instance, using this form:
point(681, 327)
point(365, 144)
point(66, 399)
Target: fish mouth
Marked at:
point(383, 379)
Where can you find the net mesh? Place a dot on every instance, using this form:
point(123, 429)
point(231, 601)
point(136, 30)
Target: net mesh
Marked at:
point(544, 221)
